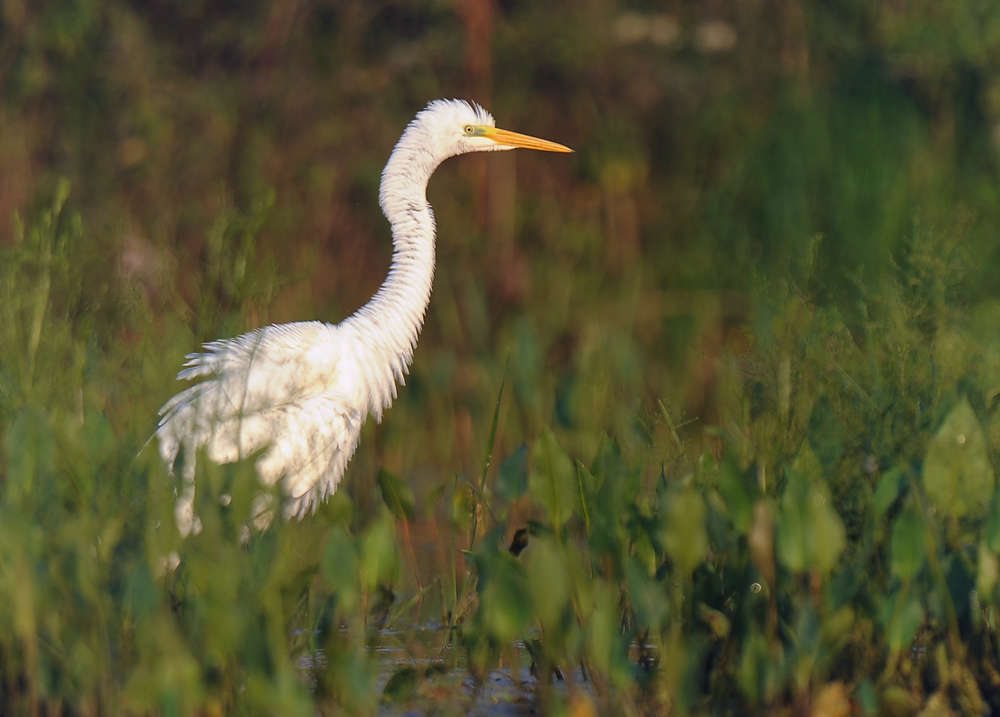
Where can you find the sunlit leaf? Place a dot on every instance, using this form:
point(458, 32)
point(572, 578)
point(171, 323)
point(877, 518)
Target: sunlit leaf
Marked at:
point(402, 685)
point(548, 580)
point(645, 552)
point(836, 627)
point(909, 548)
point(738, 491)
point(379, 552)
point(896, 700)
point(794, 535)
point(888, 489)
point(810, 534)
point(907, 615)
point(831, 536)
point(958, 476)
point(988, 571)
point(684, 533)
point(993, 526)
point(606, 645)
point(716, 620)
point(552, 481)
point(806, 464)
point(707, 467)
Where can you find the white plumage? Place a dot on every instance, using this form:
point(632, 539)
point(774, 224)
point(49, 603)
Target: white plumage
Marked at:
point(303, 390)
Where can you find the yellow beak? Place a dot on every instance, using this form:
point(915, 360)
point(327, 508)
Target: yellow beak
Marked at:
point(513, 139)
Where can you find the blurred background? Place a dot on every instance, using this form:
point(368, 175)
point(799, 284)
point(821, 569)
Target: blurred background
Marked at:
point(224, 156)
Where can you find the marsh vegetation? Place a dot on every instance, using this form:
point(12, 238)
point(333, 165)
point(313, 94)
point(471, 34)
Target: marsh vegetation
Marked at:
point(705, 421)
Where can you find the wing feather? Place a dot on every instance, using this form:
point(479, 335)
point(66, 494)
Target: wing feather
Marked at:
point(282, 388)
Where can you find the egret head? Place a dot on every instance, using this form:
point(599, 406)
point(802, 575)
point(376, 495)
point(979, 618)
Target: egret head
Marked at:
point(459, 127)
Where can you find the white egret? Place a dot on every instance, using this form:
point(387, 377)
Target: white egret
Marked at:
point(302, 391)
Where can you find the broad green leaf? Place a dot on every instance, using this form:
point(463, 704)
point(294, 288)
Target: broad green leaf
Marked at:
point(513, 479)
point(888, 489)
point(402, 685)
point(738, 491)
point(909, 548)
point(648, 598)
point(793, 535)
point(339, 508)
point(993, 527)
point(831, 536)
point(608, 463)
point(707, 469)
point(548, 580)
point(142, 593)
point(505, 602)
point(958, 476)
point(907, 614)
point(644, 552)
point(31, 451)
point(379, 552)
point(895, 700)
point(552, 482)
point(684, 533)
point(340, 559)
point(867, 699)
point(618, 484)
point(810, 534)
point(837, 625)
point(988, 572)
point(806, 464)
point(761, 666)
point(607, 646)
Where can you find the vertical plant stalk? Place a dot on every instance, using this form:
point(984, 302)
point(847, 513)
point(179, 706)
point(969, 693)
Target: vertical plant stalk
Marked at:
point(38, 312)
point(45, 239)
point(480, 499)
point(453, 618)
point(673, 430)
point(486, 462)
point(585, 509)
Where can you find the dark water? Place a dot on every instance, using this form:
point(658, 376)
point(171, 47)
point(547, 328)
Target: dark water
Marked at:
point(444, 684)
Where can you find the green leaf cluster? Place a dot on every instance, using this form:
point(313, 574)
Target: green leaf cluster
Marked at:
point(840, 524)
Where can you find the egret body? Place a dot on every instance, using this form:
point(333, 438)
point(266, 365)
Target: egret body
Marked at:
point(302, 391)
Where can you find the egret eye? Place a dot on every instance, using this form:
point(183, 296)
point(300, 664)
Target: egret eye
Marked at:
point(470, 130)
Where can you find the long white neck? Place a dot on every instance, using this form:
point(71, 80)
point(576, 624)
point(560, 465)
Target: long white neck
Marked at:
point(390, 322)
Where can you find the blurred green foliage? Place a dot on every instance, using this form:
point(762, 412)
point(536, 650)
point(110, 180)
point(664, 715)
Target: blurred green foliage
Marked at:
point(767, 273)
